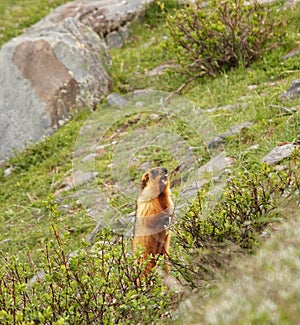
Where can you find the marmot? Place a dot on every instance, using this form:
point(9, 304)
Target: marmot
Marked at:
point(154, 213)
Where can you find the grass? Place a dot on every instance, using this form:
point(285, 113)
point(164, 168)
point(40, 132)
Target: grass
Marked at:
point(24, 218)
point(18, 15)
point(38, 171)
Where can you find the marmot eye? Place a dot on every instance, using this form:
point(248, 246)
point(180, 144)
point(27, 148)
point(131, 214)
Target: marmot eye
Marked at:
point(154, 173)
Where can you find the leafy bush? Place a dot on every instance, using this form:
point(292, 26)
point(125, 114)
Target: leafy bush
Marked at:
point(249, 203)
point(222, 35)
point(97, 285)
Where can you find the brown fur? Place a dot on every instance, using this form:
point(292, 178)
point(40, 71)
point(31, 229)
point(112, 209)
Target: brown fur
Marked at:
point(154, 214)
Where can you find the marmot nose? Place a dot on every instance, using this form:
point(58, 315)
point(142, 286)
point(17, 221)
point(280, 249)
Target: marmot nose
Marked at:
point(165, 170)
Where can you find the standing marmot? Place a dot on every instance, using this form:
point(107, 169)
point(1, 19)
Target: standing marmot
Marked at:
point(154, 214)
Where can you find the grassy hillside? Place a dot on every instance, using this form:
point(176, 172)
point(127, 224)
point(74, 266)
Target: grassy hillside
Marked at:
point(40, 231)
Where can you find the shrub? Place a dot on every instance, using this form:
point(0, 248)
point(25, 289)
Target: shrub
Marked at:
point(97, 285)
point(222, 35)
point(250, 201)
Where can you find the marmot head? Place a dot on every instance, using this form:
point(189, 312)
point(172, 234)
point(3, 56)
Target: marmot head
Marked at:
point(154, 183)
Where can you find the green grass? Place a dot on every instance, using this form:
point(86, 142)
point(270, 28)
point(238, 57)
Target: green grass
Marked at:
point(18, 15)
point(38, 171)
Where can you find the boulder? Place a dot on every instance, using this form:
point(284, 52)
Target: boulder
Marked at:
point(45, 75)
point(58, 66)
point(110, 19)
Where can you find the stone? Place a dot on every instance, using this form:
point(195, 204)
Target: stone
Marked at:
point(159, 70)
point(239, 127)
point(39, 276)
point(59, 66)
point(279, 153)
point(116, 39)
point(227, 107)
point(145, 166)
point(89, 157)
point(235, 129)
point(254, 147)
point(76, 179)
point(102, 16)
point(5, 241)
point(114, 99)
point(291, 54)
point(46, 75)
point(292, 92)
point(8, 171)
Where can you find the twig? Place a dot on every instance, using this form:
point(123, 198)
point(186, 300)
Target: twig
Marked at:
point(178, 91)
point(285, 109)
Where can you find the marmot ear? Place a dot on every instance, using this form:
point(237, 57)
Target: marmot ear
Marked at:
point(145, 180)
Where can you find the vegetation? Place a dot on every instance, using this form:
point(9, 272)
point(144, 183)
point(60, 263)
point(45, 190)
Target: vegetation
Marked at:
point(18, 15)
point(249, 203)
point(51, 274)
point(222, 35)
point(91, 286)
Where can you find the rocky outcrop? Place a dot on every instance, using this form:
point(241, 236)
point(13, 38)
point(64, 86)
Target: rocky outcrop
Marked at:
point(110, 19)
point(59, 66)
point(45, 75)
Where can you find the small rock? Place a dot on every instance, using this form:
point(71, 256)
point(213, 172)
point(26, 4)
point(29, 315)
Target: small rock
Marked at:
point(139, 104)
point(215, 142)
point(279, 153)
point(227, 107)
point(8, 171)
point(63, 207)
point(291, 54)
point(38, 276)
point(218, 140)
point(239, 127)
point(80, 177)
point(145, 166)
point(160, 69)
point(114, 99)
point(230, 161)
point(154, 116)
point(252, 87)
point(265, 234)
point(292, 92)
point(280, 168)
point(77, 178)
point(89, 157)
point(114, 40)
point(254, 147)
point(61, 123)
point(5, 241)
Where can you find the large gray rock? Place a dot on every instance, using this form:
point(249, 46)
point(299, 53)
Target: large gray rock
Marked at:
point(57, 67)
point(46, 74)
point(108, 18)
